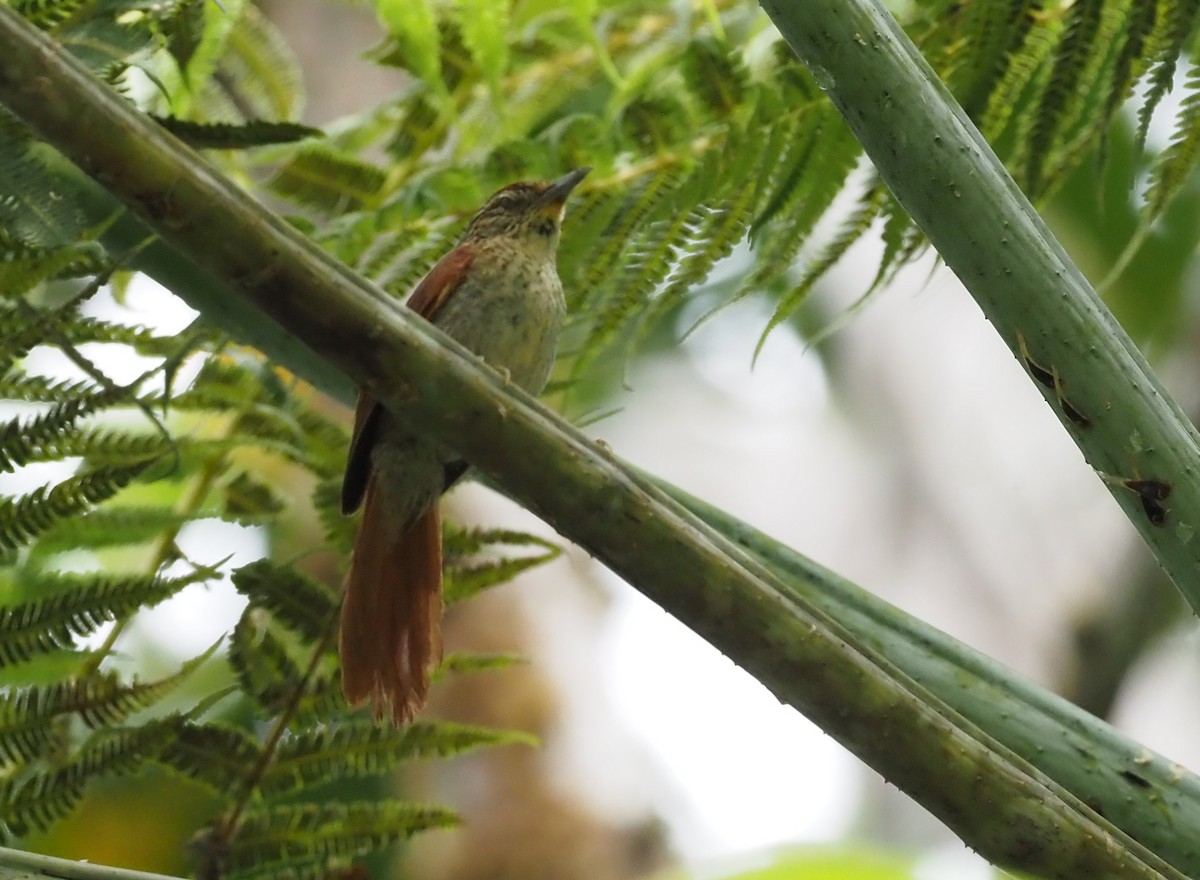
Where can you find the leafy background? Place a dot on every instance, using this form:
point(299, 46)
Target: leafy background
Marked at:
point(704, 136)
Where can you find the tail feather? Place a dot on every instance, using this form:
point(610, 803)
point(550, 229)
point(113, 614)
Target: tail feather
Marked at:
point(391, 632)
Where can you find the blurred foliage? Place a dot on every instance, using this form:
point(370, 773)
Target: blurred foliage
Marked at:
point(842, 862)
point(704, 134)
point(1095, 213)
point(139, 462)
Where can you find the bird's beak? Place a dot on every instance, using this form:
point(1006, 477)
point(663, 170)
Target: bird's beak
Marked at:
point(557, 192)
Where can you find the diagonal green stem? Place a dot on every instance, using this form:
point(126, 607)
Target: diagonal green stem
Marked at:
point(1117, 776)
point(17, 865)
point(946, 176)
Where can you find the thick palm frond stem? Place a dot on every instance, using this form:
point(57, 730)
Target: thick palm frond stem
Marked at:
point(947, 177)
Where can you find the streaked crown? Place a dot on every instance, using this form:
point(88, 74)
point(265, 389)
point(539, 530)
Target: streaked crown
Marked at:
point(525, 209)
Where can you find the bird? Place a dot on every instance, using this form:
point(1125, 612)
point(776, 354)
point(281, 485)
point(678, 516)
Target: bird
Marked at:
point(497, 292)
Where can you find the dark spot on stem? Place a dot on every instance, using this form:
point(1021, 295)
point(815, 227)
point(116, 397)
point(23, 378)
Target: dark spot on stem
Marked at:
point(1039, 373)
point(1133, 779)
point(1074, 415)
point(1157, 490)
point(1155, 512)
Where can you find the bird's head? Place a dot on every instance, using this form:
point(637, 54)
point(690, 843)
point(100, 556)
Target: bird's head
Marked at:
point(530, 211)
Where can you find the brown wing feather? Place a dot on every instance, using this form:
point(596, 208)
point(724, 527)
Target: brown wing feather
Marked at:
point(358, 463)
point(442, 280)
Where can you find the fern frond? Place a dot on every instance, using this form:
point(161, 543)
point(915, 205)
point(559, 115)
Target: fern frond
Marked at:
point(645, 202)
point(227, 136)
point(325, 442)
point(397, 259)
point(750, 175)
point(46, 669)
point(1130, 63)
point(852, 229)
point(461, 543)
point(419, 126)
point(258, 76)
point(267, 672)
point(1104, 86)
point(223, 383)
point(1165, 43)
point(20, 386)
point(182, 24)
point(900, 236)
point(102, 698)
point(296, 433)
point(328, 180)
point(321, 700)
point(1061, 92)
point(993, 32)
point(25, 440)
point(655, 122)
point(24, 267)
point(101, 446)
point(1026, 64)
point(111, 526)
point(275, 840)
point(359, 749)
point(648, 259)
point(464, 578)
point(37, 799)
point(339, 530)
point(73, 605)
point(25, 213)
point(463, 662)
point(675, 287)
point(715, 76)
point(413, 26)
point(1172, 169)
point(106, 45)
point(790, 167)
point(26, 328)
point(24, 518)
point(213, 755)
point(297, 601)
point(248, 497)
point(46, 14)
point(716, 229)
point(833, 158)
point(584, 225)
point(84, 328)
point(484, 28)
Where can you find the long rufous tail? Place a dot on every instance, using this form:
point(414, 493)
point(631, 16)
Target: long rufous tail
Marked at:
point(391, 633)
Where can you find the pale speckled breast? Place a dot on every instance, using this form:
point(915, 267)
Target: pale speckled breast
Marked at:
point(512, 318)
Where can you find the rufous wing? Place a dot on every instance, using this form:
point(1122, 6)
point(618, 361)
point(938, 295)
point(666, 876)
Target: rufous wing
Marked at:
point(367, 420)
point(441, 281)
